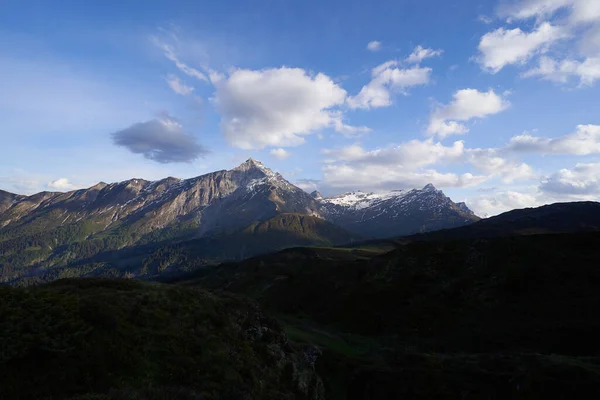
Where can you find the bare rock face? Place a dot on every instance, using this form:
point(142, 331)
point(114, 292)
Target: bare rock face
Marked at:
point(124, 213)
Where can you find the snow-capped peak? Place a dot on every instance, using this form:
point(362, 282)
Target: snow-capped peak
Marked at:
point(359, 200)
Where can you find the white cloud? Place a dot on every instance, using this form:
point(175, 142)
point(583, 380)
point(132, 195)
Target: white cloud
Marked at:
point(411, 154)
point(584, 141)
point(525, 9)
point(374, 46)
point(589, 44)
point(587, 71)
point(407, 165)
point(277, 107)
point(577, 20)
point(584, 11)
point(466, 105)
point(178, 86)
point(581, 182)
point(503, 47)
point(412, 163)
point(579, 11)
point(420, 53)
point(169, 52)
point(384, 177)
point(280, 154)
point(61, 184)
point(493, 163)
point(385, 79)
point(308, 185)
point(496, 203)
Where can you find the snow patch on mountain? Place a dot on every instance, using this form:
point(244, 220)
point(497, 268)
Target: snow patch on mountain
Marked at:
point(358, 200)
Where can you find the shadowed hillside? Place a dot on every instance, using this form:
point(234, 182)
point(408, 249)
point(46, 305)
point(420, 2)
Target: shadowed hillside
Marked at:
point(103, 339)
point(474, 315)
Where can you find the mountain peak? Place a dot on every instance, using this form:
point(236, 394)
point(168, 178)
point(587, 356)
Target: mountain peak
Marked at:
point(316, 195)
point(430, 187)
point(251, 163)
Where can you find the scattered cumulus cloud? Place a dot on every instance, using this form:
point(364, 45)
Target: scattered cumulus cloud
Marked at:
point(497, 163)
point(420, 53)
point(386, 79)
point(415, 153)
point(374, 46)
point(579, 11)
point(587, 71)
point(577, 22)
point(308, 185)
point(380, 177)
point(584, 141)
point(280, 154)
point(61, 184)
point(278, 107)
point(503, 47)
point(162, 139)
point(407, 165)
point(467, 104)
point(502, 201)
point(582, 180)
point(178, 86)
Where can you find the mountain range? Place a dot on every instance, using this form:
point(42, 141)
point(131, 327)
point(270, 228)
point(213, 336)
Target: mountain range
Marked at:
point(232, 214)
point(503, 307)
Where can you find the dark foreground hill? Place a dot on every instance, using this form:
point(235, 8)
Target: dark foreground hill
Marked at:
point(583, 216)
point(509, 317)
point(103, 339)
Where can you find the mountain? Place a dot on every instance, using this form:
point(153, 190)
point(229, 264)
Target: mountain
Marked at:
point(213, 201)
point(49, 230)
point(396, 213)
point(169, 258)
point(42, 234)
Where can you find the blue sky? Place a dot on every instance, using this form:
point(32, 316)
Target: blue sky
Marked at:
point(494, 102)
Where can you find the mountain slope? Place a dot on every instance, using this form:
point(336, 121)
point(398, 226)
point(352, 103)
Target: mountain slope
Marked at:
point(43, 233)
point(53, 229)
point(171, 258)
point(396, 213)
point(508, 317)
point(553, 218)
point(117, 339)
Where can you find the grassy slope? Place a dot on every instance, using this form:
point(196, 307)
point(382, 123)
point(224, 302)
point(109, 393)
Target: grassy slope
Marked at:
point(148, 260)
point(506, 317)
point(127, 339)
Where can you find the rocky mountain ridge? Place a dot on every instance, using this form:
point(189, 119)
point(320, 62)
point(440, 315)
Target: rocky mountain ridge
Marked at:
point(52, 229)
point(396, 213)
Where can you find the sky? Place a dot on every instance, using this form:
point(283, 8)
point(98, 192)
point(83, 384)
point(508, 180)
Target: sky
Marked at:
point(494, 102)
